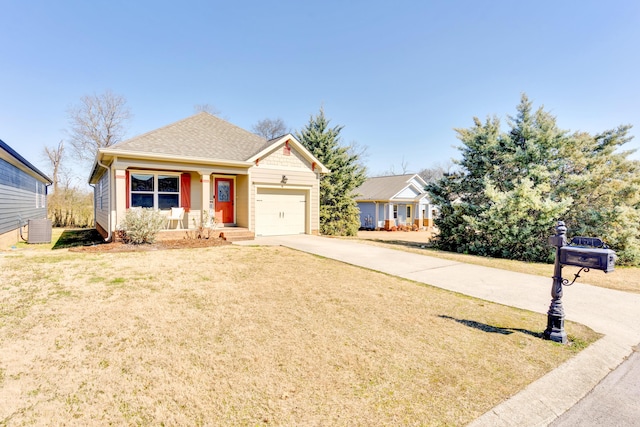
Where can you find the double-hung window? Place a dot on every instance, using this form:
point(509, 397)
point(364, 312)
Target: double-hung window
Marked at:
point(168, 191)
point(158, 191)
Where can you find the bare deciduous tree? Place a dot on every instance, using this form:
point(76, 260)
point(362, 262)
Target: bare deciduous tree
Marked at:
point(99, 121)
point(436, 171)
point(206, 108)
point(270, 128)
point(359, 151)
point(54, 155)
point(67, 205)
point(404, 167)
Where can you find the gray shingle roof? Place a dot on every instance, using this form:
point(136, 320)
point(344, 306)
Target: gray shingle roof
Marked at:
point(202, 136)
point(382, 187)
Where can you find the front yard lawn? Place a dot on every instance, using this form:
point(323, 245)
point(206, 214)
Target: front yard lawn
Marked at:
point(252, 336)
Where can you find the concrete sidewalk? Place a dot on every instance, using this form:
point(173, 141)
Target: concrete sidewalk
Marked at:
point(612, 313)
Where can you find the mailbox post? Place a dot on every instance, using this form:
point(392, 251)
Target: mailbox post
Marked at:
point(555, 316)
point(584, 252)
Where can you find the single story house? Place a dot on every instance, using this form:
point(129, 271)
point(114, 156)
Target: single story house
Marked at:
point(209, 168)
point(388, 201)
point(23, 195)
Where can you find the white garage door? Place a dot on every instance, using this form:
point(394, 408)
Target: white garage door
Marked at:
point(280, 212)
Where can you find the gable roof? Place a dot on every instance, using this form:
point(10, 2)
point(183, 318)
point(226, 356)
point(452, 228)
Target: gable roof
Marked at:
point(386, 187)
point(291, 140)
point(201, 136)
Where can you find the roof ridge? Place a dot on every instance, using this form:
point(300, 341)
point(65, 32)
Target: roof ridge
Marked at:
point(201, 134)
point(393, 176)
point(176, 123)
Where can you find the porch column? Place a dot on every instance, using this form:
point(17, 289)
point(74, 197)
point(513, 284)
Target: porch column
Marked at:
point(119, 207)
point(389, 220)
point(206, 215)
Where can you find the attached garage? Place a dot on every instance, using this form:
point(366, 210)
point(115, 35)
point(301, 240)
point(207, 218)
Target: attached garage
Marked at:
point(281, 211)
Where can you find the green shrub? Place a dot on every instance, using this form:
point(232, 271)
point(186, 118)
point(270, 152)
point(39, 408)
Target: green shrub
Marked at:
point(141, 226)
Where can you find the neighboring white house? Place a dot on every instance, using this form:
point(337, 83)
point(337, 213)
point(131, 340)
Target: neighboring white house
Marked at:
point(23, 194)
point(388, 201)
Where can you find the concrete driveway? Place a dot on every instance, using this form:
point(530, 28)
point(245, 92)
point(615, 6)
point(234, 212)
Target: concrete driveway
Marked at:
point(613, 313)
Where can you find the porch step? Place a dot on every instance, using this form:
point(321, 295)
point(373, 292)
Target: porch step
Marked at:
point(236, 235)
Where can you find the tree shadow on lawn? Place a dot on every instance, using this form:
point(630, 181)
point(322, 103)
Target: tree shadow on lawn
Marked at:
point(78, 237)
point(492, 329)
point(407, 243)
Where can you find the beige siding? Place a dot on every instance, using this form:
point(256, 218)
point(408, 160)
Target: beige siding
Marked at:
point(193, 218)
point(267, 173)
point(242, 201)
point(196, 191)
point(296, 179)
point(279, 159)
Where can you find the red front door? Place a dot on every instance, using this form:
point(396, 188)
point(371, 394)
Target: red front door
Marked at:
point(224, 200)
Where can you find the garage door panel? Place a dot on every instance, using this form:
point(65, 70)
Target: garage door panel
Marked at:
point(280, 212)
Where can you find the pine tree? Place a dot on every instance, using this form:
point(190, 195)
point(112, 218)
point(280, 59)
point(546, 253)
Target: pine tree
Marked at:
point(512, 186)
point(339, 214)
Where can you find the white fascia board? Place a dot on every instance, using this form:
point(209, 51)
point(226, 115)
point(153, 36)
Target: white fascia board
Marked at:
point(172, 158)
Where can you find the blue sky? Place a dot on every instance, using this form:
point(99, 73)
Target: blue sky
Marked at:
point(399, 76)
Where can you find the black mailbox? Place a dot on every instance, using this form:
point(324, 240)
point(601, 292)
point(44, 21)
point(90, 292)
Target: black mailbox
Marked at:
point(585, 252)
point(598, 258)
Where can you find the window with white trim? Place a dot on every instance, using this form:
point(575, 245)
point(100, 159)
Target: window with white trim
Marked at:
point(408, 212)
point(41, 196)
point(158, 191)
point(100, 193)
point(395, 211)
point(37, 194)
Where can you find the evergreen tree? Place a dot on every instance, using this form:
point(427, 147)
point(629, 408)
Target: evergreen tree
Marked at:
point(512, 186)
point(339, 214)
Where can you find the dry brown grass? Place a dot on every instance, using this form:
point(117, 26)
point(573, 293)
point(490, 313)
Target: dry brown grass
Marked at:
point(623, 278)
point(251, 336)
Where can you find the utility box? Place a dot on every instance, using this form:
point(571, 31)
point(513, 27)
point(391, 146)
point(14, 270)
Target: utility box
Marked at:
point(597, 258)
point(39, 231)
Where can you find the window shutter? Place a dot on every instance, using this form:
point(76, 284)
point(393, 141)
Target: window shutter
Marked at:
point(128, 185)
point(185, 191)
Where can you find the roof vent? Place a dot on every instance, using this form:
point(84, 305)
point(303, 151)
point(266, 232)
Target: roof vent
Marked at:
point(39, 231)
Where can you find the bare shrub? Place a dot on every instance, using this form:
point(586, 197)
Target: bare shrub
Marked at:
point(141, 226)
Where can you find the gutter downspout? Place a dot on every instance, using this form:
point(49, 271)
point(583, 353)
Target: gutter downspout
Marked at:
point(95, 219)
